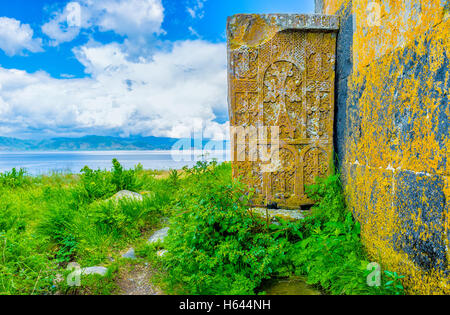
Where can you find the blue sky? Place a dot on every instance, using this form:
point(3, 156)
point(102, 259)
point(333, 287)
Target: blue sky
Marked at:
point(118, 67)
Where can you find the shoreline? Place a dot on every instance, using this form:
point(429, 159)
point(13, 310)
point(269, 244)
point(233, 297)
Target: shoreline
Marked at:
point(37, 163)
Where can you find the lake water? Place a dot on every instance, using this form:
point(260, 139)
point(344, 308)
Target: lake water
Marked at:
point(37, 163)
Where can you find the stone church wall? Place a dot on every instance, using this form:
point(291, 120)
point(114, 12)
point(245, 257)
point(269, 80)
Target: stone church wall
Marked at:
point(392, 135)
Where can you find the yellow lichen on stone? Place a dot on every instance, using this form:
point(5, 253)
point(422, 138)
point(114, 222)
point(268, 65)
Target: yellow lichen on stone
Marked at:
point(250, 30)
point(396, 152)
point(332, 6)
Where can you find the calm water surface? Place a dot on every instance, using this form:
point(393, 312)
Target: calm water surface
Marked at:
point(294, 286)
point(37, 163)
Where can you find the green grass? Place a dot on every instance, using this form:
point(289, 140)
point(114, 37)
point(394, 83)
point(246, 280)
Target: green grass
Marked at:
point(215, 245)
point(48, 221)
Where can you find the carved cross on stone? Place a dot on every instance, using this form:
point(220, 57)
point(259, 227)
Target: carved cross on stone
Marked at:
point(281, 74)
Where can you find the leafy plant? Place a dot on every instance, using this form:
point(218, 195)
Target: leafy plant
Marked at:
point(332, 257)
point(101, 184)
point(14, 178)
point(67, 250)
point(58, 222)
point(174, 178)
point(215, 246)
point(329, 249)
point(327, 192)
point(96, 184)
point(394, 284)
point(123, 179)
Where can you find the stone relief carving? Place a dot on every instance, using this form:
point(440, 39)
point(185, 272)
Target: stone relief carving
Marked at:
point(286, 81)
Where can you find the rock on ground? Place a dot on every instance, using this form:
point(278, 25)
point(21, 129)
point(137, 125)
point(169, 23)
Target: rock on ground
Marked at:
point(159, 235)
point(126, 194)
point(130, 254)
point(94, 271)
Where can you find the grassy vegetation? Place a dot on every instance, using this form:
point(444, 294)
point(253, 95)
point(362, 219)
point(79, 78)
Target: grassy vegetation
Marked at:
point(215, 245)
point(48, 221)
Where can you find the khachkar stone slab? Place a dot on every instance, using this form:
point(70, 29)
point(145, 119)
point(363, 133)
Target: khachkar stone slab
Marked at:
point(281, 103)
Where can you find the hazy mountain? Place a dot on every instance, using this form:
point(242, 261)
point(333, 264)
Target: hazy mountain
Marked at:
point(7, 144)
point(90, 143)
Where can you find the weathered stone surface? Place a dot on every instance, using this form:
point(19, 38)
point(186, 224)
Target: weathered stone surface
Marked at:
point(253, 30)
point(94, 271)
point(126, 194)
point(393, 133)
point(159, 235)
point(130, 254)
point(281, 74)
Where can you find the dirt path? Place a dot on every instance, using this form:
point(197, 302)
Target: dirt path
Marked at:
point(135, 280)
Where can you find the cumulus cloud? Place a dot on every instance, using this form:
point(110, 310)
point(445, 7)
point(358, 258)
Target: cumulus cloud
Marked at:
point(15, 37)
point(169, 92)
point(127, 17)
point(135, 19)
point(177, 90)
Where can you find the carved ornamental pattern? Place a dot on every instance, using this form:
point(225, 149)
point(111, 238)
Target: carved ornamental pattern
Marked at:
point(287, 82)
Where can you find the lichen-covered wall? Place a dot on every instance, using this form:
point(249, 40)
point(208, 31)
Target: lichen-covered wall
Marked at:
point(392, 132)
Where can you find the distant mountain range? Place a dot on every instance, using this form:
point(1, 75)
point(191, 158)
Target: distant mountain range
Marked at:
point(96, 143)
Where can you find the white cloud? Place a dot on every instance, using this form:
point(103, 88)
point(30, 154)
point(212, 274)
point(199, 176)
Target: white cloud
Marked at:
point(177, 90)
point(4, 107)
point(135, 19)
point(196, 9)
point(15, 37)
point(65, 25)
point(193, 32)
point(127, 17)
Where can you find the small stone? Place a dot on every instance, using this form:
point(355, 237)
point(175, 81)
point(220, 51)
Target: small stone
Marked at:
point(94, 271)
point(130, 254)
point(158, 235)
point(126, 194)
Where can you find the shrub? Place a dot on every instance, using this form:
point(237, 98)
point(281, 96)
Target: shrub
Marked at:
point(327, 192)
point(13, 179)
point(58, 222)
point(174, 178)
point(123, 179)
point(100, 184)
point(329, 250)
point(215, 246)
point(96, 184)
point(124, 217)
point(332, 257)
